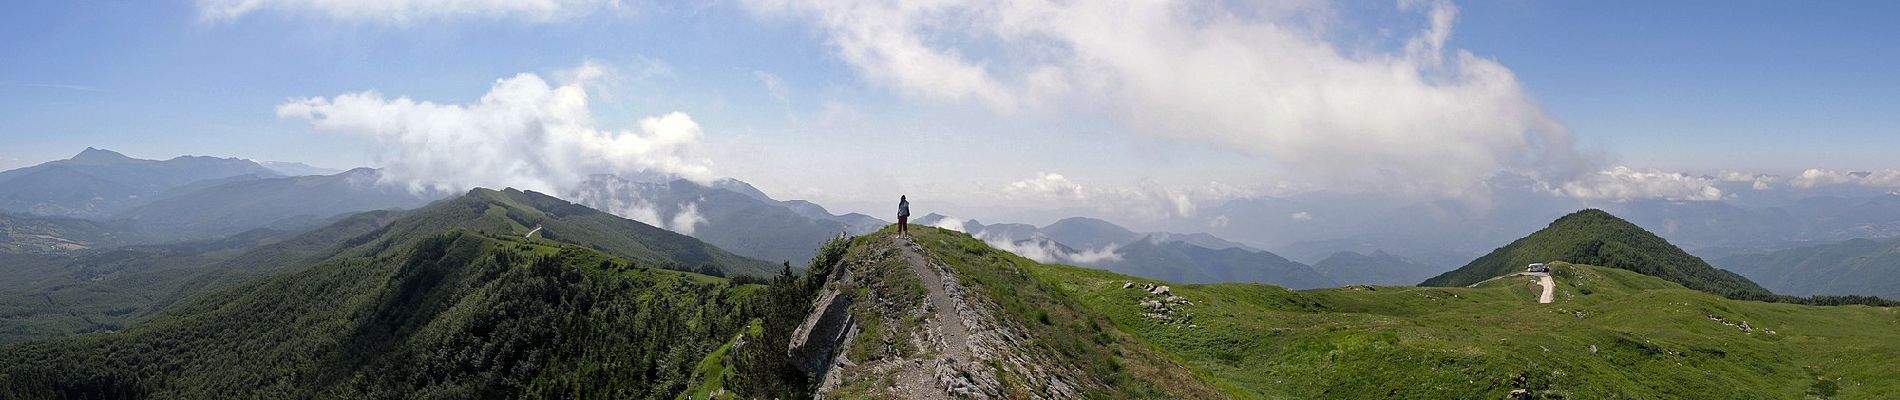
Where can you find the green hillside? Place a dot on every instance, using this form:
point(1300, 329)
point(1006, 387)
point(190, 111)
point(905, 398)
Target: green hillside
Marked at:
point(515, 212)
point(21, 233)
point(64, 293)
point(449, 301)
point(61, 292)
point(1597, 238)
point(1610, 334)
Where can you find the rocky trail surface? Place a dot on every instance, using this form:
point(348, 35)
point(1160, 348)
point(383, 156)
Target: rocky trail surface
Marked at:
point(933, 340)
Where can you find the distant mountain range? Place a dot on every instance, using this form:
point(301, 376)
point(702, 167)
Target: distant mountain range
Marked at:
point(97, 183)
point(1185, 258)
point(189, 198)
point(728, 213)
point(1852, 267)
point(1308, 227)
point(1376, 268)
point(103, 199)
point(287, 168)
point(238, 204)
point(193, 198)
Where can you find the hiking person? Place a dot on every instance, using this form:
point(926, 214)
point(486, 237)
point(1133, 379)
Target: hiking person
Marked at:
point(903, 216)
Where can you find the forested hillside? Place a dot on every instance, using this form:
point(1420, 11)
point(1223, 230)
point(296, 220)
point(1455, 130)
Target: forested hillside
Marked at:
point(441, 303)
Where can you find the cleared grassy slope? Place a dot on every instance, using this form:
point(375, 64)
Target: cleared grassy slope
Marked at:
point(1651, 338)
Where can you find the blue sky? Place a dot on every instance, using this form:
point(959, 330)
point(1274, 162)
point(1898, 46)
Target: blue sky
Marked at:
point(1701, 87)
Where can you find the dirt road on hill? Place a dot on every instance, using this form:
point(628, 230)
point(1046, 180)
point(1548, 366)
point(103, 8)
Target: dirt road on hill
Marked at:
point(1550, 286)
point(1543, 278)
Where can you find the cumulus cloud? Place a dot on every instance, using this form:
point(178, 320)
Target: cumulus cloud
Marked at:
point(1045, 251)
point(1046, 185)
point(524, 133)
point(638, 201)
point(404, 11)
point(1418, 118)
point(1144, 199)
point(952, 223)
point(686, 219)
point(1625, 184)
point(1817, 177)
point(1105, 254)
point(1754, 181)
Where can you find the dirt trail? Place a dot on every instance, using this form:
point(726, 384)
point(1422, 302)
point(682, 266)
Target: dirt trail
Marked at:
point(920, 380)
point(1550, 286)
point(944, 319)
point(1543, 278)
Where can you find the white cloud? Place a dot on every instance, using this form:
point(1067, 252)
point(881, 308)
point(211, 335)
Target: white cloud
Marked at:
point(687, 219)
point(951, 223)
point(1755, 181)
point(524, 133)
point(1046, 185)
point(1094, 256)
point(774, 86)
point(1424, 119)
point(1625, 184)
point(1817, 177)
point(637, 201)
point(1301, 216)
point(405, 11)
point(1045, 251)
point(1143, 199)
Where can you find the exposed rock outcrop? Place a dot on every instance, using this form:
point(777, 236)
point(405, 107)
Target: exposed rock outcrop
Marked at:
point(817, 347)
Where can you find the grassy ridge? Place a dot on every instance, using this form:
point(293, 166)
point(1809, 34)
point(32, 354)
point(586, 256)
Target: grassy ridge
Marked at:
point(1652, 339)
point(1057, 323)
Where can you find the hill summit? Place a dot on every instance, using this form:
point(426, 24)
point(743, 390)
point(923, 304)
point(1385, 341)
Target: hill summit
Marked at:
point(1595, 237)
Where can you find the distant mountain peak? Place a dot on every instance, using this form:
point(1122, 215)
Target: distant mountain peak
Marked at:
point(1596, 237)
point(94, 155)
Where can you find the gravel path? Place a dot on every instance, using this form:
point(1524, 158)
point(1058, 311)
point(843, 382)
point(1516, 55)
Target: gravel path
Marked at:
point(1550, 286)
point(919, 379)
point(944, 321)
